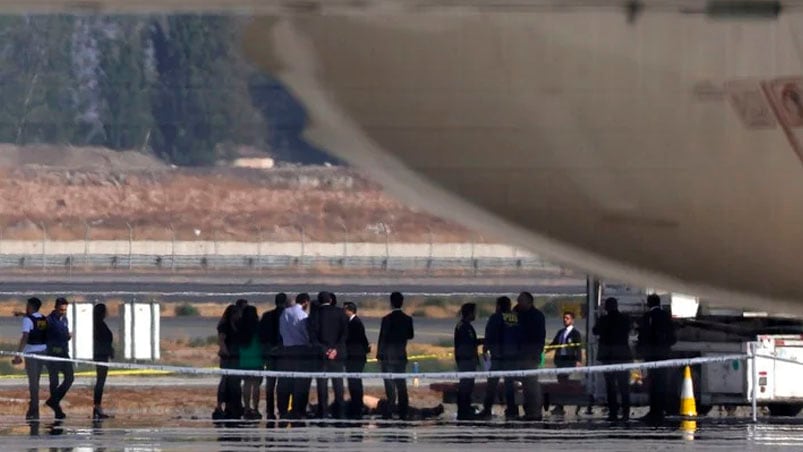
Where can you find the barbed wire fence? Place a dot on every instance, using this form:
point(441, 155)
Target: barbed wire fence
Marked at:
point(33, 247)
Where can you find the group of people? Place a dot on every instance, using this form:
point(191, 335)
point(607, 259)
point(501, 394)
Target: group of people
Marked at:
point(50, 336)
point(301, 335)
point(656, 336)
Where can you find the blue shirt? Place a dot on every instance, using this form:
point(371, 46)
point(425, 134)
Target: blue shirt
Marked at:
point(293, 326)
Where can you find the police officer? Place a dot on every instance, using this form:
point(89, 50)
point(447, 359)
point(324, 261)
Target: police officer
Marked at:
point(33, 341)
point(465, 353)
point(655, 339)
point(613, 330)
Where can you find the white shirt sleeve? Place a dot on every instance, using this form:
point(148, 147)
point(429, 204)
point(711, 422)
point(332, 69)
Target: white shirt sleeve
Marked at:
point(27, 325)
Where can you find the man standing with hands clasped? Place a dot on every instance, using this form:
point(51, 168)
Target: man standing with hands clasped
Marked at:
point(395, 331)
point(568, 352)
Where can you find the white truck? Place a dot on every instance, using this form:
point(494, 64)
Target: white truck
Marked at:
point(705, 330)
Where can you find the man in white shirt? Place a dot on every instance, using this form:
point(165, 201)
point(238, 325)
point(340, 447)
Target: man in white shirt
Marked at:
point(33, 341)
point(569, 352)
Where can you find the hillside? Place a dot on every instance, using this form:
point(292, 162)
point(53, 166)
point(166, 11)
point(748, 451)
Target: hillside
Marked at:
point(70, 189)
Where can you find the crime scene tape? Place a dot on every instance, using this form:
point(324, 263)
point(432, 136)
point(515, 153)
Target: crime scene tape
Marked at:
point(398, 375)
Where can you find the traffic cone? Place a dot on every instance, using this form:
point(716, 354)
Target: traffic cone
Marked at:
point(688, 408)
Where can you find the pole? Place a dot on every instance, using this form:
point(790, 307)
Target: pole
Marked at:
point(754, 389)
point(130, 244)
point(44, 246)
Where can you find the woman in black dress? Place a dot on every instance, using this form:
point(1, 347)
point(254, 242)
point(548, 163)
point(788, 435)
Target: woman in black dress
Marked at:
point(103, 351)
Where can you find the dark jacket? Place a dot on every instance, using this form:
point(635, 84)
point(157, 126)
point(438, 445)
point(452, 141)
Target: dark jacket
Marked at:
point(357, 347)
point(58, 334)
point(328, 329)
point(532, 327)
point(494, 335)
point(574, 353)
point(395, 331)
point(613, 330)
point(511, 336)
point(269, 331)
point(465, 343)
point(656, 335)
point(102, 339)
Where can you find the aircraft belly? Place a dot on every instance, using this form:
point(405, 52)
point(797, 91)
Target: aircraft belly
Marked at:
point(647, 152)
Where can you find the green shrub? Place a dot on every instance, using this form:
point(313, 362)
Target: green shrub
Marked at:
point(203, 341)
point(186, 310)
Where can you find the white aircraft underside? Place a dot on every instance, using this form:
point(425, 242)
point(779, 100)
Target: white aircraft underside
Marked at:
point(657, 145)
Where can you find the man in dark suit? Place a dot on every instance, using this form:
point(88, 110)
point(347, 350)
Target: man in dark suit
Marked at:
point(357, 350)
point(327, 335)
point(568, 353)
point(494, 345)
point(656, 337)
point(613, 330)
point(395, 331)
point(532, 330)
point(465, 355)
point(270, 341)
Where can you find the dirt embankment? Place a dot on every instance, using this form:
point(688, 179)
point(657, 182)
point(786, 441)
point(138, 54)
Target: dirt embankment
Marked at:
point(96, 193)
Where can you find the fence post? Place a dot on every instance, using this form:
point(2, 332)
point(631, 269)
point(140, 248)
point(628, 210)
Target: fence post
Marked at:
point(259, 249)
point(172, 247)
point(44, 246)
point(130, 243)
point(303, 244)
point(214, 249)
point(386, 230)
point(345, 240)
point(86, 245)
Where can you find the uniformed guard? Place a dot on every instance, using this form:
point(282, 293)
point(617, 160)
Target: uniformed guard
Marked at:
point(33, 341)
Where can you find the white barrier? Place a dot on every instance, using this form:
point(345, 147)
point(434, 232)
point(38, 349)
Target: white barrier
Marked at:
point(386, 375)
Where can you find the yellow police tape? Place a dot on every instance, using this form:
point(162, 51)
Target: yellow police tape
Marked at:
point(449, 355)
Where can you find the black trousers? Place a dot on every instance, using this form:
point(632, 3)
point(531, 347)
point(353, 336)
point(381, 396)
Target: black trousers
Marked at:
point(59, 390)
point(617, 382)
point(355, 406)
point(658, 383)
point(465, 388)
point(100, 379)
point(533, 400)
point(329, 365)
point(492, 385)
point(396, 387)
point(230, 390)
point(294, 359)
point(270, 389)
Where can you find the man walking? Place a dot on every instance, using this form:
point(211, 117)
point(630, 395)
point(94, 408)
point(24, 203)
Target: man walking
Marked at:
point(58, 338)
point(271, 340)
point(465, 354)
point(613, 330)
point(33, 341)
point(655, 340)
point(532, 328)
point(396, 329)
point(569, 353)
point(357, 350)
point(328, 331)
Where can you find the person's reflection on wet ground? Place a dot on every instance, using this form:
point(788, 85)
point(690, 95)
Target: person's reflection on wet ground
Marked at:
point(34, 428)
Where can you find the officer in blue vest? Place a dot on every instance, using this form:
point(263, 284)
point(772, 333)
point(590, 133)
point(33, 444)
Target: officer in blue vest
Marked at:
point(33, 342)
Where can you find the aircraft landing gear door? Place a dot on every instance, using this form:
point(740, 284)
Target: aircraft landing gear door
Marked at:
point(786, 98)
